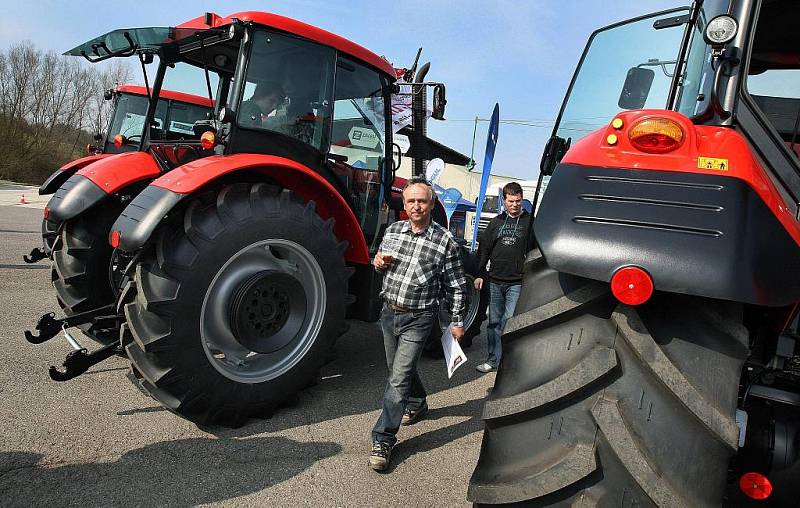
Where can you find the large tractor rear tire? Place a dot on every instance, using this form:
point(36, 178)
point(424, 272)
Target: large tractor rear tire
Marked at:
point(602, 404)
point(475, 315)
point(238, 305)
point(81, 265)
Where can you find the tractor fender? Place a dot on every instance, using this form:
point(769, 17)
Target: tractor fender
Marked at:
point(708, 235)
point(90, 184)
point(61, 175)
point(137, 222)
point(703, 219)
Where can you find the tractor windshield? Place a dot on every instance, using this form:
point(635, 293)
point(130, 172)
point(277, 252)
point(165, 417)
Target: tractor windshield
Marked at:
point(173, 119)
point(625, 66)
point(289, 88)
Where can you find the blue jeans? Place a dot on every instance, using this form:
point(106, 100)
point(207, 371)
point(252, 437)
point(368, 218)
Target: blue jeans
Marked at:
point(502, 300)
point(404, 336)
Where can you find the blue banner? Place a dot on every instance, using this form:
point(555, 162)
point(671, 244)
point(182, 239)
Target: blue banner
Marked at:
point(491, 143)
point(450, 198)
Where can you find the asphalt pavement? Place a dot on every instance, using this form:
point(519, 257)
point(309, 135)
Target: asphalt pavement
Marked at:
point(98, 441)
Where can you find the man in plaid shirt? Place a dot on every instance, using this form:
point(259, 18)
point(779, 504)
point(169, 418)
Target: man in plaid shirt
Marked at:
point(420, 261)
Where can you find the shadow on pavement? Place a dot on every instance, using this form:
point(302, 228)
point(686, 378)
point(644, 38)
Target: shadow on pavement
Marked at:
point(437, 438)
point(186, 472)
point(354, 382)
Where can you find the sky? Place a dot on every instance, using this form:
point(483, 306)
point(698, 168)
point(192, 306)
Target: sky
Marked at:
point(520, 54)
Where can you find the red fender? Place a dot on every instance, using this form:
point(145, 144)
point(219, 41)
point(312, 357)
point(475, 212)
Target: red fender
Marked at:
point(113, 173)
point(59, 176)
point(701, 143)
point(300, 179)
point(84, 161)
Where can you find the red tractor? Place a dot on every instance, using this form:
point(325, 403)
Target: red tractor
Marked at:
point(653, 358)
point(76, 242)
point(236, 261)
point(125, 126)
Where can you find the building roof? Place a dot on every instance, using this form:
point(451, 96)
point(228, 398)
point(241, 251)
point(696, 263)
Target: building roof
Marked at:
point(432, 149)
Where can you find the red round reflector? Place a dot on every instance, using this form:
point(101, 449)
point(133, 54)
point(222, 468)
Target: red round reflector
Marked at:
point(46, 213)
point(755, 485)
point(631, 285)
point(115, 239)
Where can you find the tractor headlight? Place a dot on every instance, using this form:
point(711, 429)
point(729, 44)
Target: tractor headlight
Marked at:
point(721, 30)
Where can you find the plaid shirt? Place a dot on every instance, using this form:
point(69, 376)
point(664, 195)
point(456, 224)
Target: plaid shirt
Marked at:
point(424, 264)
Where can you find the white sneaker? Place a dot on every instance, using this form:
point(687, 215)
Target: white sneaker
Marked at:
point(485, 367)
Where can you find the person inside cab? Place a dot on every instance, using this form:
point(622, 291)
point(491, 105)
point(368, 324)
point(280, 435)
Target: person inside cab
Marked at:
point(266, 98)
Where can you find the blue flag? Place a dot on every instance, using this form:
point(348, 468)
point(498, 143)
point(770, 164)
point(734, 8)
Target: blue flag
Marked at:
point(450, 198)
point(491, 143)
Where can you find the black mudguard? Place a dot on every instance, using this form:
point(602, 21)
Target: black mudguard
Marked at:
point(76, 195)
point(697, 234)
point(56, 180)
point(142, 215)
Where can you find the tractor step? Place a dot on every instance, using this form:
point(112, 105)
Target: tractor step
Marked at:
point(48, 326)
point(35, 256)
point(80, 360)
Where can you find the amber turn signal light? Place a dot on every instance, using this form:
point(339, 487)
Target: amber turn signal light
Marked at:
point(119, 140)
point(656, 135)
point(208, 140)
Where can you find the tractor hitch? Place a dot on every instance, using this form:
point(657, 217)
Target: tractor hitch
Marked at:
point(80, 359)
point(48, 326)
point(35, 256)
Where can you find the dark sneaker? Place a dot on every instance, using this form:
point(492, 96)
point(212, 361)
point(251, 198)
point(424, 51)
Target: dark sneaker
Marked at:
point(411, 417)
point(380, 455)
point(485, 367)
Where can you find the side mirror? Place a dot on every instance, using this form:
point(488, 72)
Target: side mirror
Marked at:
point(636, 88)
point(397, 156)
point(108, 94)
point(439, 102)
point(554, 150)
point(98, 137)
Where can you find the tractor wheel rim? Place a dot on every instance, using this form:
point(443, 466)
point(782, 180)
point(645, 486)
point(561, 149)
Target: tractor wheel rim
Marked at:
point(292, 302)
point(473, 303)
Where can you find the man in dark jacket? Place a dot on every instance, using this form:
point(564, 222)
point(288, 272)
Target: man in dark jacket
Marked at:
point(503, 246)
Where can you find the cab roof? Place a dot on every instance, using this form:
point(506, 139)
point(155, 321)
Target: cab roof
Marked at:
point(168, 94)
point(123, 41)
point(293, 26)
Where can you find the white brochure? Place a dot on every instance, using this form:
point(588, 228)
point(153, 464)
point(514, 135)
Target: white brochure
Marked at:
point(454, 356)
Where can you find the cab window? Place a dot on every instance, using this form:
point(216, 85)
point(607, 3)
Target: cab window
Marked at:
point(358, 143)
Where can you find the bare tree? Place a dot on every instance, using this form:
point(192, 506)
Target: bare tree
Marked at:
point(118, 73)
point(48, 105)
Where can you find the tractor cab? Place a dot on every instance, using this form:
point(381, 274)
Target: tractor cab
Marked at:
point(282, 88)
point(164, 118)
point(176, 110)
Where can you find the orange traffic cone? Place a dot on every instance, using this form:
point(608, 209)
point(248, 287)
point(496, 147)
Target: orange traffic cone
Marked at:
point(22, 199)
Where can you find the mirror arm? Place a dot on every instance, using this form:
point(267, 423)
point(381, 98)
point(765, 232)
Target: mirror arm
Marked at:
point(714, 104)
point(130, 50)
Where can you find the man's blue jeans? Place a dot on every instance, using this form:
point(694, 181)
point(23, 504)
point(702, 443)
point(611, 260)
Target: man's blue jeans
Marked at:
point(404, 336)
point(502, 300)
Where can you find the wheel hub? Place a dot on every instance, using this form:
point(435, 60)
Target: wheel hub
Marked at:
point(268, 310)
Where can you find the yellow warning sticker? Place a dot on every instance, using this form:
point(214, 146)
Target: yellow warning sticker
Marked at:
point(711, 163)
